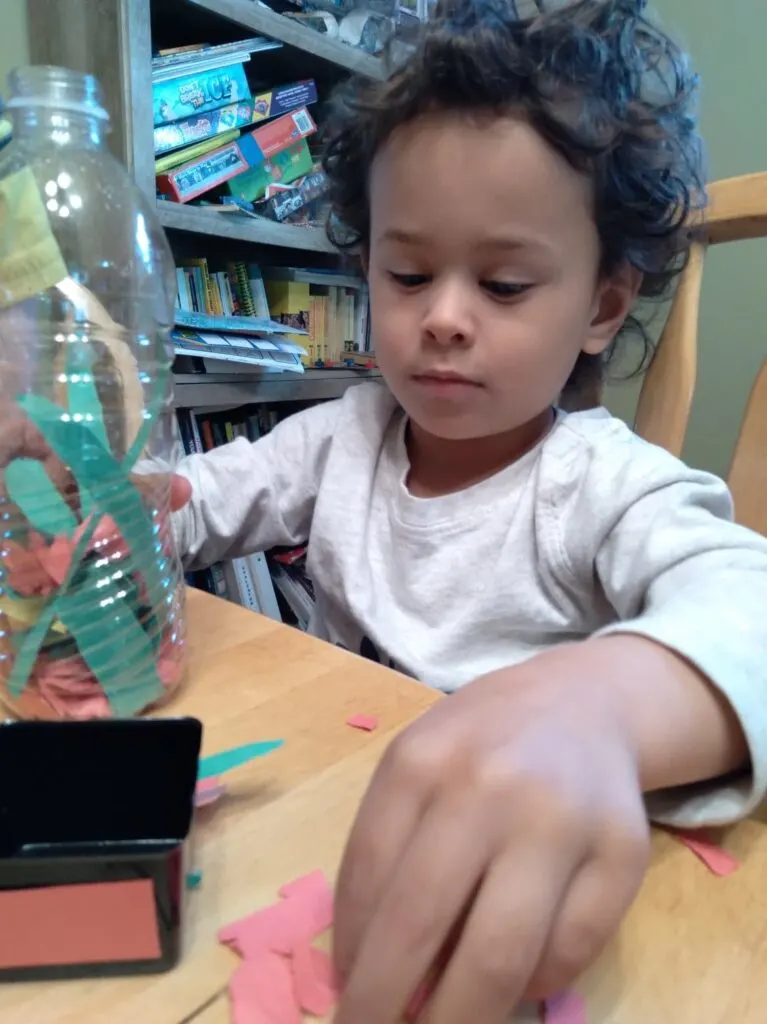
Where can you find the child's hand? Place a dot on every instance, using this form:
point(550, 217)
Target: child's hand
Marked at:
point(180, 492)
point(503, 837)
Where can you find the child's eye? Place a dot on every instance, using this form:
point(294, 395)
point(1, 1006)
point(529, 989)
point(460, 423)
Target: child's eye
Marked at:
point(505, 289)
point(409, 280)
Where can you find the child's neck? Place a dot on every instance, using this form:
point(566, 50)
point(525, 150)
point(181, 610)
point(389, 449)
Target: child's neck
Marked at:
point(439, 466)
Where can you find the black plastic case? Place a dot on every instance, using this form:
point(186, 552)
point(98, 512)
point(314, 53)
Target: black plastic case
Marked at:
point(83, 803)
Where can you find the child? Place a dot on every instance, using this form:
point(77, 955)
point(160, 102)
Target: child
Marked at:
point(512, 190)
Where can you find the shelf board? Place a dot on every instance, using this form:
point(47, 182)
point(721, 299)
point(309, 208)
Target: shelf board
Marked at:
point(239, 226)
point(227, 390)
point(251, 15)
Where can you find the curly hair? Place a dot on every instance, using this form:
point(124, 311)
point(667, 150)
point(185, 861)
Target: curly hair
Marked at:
point(598, 79)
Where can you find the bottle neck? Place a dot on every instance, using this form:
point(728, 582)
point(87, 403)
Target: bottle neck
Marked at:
point(57, 105)
point(59, 127)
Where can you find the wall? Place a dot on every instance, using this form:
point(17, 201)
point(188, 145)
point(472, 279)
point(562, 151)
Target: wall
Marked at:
point(726, 40)
point(14, 49)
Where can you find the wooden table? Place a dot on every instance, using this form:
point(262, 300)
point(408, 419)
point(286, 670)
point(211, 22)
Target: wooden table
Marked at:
point(692, 951)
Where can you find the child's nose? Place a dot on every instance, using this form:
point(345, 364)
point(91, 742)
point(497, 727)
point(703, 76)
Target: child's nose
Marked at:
point(448, 319)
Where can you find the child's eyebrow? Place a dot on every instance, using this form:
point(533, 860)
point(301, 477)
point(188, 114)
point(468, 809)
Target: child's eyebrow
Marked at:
point(495, 243)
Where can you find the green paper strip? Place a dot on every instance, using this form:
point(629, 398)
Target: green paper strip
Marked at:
point(113, 645)
point(30, 487)
point(83, 402)
point(35, 638)
point(226, 760)
point(97, 470)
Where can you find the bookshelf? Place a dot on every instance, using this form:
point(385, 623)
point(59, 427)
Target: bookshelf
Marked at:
point(247, 14)
point(112, 39)
point(198, 220)
point(223, 390)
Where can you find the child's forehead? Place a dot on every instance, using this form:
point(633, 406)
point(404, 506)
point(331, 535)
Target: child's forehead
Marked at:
point(493, 169)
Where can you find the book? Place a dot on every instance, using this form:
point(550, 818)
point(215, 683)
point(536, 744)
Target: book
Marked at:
point(187, 60)
point(214, 124)
point(233, 324)
point(290, 304)
point(263, 586)
point(313, 275)
point(267, 354)
point(238, 273)
point(296, 597)
point(197, 93)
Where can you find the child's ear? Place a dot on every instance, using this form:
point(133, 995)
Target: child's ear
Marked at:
point(365, 261)
point(613, 301)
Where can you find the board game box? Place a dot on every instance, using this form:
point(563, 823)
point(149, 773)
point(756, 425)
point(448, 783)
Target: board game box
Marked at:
point(285, 166)
point(284, 132)
point(282, 99)
point(202, 127)
point(198, 93)
point(198, 176)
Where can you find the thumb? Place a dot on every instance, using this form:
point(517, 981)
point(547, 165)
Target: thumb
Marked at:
point(180, 492)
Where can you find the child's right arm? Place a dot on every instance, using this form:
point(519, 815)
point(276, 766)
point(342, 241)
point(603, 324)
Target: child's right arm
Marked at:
point(251, 497)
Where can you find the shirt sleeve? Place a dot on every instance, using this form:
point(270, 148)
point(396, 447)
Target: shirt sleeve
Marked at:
point(675, 568)
point(251, 497)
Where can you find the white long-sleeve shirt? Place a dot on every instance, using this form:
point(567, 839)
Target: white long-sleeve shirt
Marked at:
point(592, 531)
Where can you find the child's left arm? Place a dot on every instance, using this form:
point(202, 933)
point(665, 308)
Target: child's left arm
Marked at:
point(505, 833)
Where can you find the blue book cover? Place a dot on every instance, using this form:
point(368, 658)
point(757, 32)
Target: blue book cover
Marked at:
point(199, 93)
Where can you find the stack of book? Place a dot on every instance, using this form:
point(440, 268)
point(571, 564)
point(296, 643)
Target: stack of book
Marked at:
point(206, 140)
point(322, 314)
point(277, 587)
point(330, 305)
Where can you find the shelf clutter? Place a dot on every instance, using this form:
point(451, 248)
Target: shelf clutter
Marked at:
point(229, 138)
point(278, 318)
point(238, 103)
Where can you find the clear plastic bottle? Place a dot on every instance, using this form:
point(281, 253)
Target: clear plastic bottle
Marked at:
point(91, 589)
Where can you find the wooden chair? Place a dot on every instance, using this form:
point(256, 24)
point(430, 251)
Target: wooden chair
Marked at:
point(737, 210)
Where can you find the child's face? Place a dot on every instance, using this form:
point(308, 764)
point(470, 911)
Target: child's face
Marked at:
point(483, 270)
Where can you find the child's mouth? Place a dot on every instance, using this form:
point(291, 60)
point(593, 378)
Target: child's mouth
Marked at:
point(445, 385)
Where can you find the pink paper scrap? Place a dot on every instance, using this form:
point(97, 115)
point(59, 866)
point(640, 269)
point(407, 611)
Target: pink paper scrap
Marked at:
point(368, 723)
point(281, 974)
point(208, 791)
point(314, 980)
point(261, 992)
point(718, 861)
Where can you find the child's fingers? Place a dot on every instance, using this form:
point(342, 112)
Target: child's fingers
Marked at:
point(415, 915)
point(386, 822)
point(154, 486)
point(504, 935)
point(591, 911)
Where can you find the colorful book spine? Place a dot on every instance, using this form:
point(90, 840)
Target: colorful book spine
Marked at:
point(201, 128)
point(196, 94)
point(238, 273)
